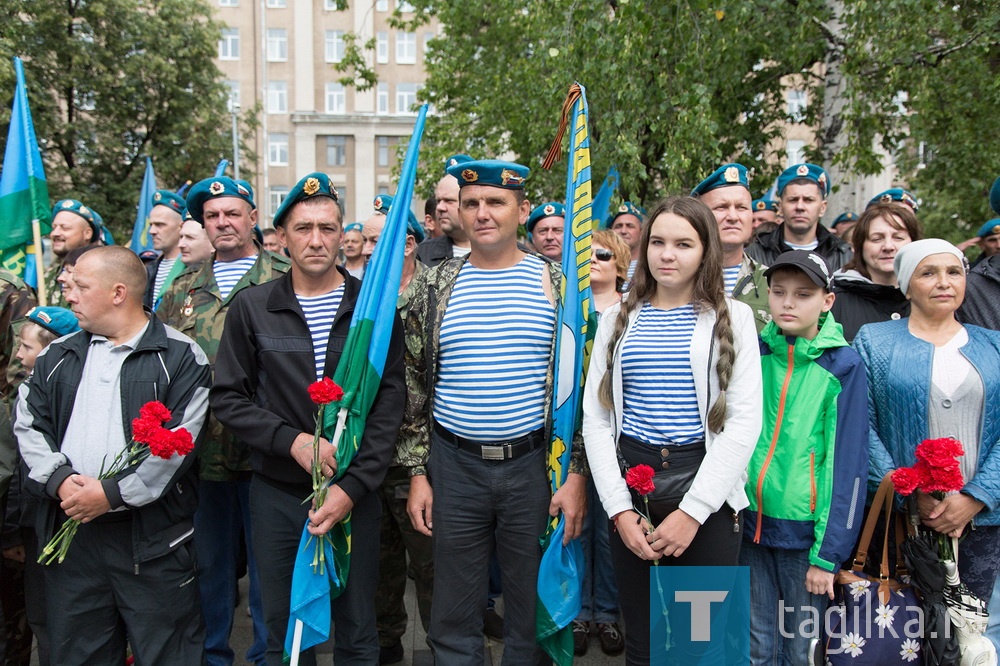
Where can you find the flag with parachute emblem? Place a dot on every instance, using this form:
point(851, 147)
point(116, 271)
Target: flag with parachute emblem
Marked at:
point(561, 570)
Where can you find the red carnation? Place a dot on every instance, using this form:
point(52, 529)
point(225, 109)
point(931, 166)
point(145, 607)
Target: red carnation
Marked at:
point(906, 480)
point(161, 444)
point(183, 443)
point(640, 479)
point(945, 480)
point(143, 429)
point(155, 411)
point(325, 391)
point(940, 452)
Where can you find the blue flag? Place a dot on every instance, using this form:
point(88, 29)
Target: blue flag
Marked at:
point(24, 192)
point(602, 200)
point(561, 568)
point(359, 374)
point(141, 242)
point(220, 168)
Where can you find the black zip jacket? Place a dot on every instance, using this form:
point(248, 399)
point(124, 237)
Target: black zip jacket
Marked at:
point(768, 246)
point(860, 301)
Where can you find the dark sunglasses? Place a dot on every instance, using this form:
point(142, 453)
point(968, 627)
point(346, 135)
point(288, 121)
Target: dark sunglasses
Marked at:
point(603, 255)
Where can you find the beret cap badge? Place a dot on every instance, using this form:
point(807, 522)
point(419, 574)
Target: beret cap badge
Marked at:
point(732, 175)
point(67, 203)
point(549, 210)
point(803, 170)
point(508, 177)
point(84, 210)
point(470, 176)
point(378, 203)
point(311, 186)
point(761, 205)
point(216, 188)
point(623, 208)
point(157, 196)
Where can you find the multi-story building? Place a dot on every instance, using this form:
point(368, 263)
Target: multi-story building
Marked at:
point(283, 54)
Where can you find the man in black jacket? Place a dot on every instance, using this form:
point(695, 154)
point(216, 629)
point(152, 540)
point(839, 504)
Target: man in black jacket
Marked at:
point(802, 190)
point(130, 569)
point(279, 338)
point(454, 242)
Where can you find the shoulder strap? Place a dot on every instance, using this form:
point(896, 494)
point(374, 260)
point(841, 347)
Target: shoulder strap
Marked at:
point(884, 488)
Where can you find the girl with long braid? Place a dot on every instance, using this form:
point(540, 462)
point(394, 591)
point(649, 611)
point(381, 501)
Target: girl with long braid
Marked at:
point(675, 384)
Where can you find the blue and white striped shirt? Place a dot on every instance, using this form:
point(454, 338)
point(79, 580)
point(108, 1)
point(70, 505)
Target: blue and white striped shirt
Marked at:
point(161, 275)
point(496, 338)
point(661, 406)
point(319, 312)
point(228, 273)
point(730, 274)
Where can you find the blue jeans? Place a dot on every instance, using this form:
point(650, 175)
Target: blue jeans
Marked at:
point(778, 576)
point(478, 505)
point(223, 506)
point(600, 593)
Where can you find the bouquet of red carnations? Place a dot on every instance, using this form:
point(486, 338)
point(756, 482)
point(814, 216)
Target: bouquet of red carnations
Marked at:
point(149, 437)
point(322, 393)
point(936, 473)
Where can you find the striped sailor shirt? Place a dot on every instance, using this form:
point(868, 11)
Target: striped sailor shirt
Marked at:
point(320, 312)
point(228, 273)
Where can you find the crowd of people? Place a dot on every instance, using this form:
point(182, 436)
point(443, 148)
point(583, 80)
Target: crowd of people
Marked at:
point(769, 370)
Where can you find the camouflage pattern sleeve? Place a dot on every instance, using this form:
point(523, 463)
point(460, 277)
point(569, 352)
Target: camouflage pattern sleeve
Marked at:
point(16, 299)
point(53, 290)
point(413, 447)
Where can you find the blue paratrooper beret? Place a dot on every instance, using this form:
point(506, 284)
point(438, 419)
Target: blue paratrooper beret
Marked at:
point(89, 215)
point(897, 194)
point(169, 199)
point(59, 321)
point(211, 188)
point(724, 176)
point(494, 173)
point(765, 204)
point(844, 217)
point(808, 171)
point(627, 208)
point(316, 184)
point(549, 209)
point(990, 228)
point(383, 203)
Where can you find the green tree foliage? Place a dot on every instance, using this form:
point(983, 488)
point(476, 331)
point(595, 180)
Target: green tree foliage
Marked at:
point(112, 81)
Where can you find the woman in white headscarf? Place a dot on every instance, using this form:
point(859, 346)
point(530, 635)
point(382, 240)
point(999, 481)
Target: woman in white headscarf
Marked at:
point(930, 376)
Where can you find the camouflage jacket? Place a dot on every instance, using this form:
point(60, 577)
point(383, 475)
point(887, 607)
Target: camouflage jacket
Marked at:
point(751, 288)
point(428, 303)
point(16, 299)
point(403, 305)
point(194, 306)
point(53, 290)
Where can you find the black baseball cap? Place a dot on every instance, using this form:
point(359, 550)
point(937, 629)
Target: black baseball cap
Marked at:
point(807, 261)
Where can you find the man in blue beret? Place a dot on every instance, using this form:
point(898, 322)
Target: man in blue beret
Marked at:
point(196, 303)
point(843, 224)
point(727, 194)
point(627, 222)
point(802, 191)
point(897, 194)
point(279, 338)
point(165, 220)
point(351, 247)
point(74, 225)
point(989, 241)
point(464, 431)
point(764, 210)
point(454, 242)
point(545, 229)
point(403, 552)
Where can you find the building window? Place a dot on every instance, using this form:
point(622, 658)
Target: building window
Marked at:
point(428, 36)
point(335, 98)
point(382, 47)
point(382, 5)
point(331, 5)
point(334, 45)
point(277, 97)
point(406, 48)
point(336, 150)
point(229, 3)
point(276, 4)
point(276, 195)
point(797, 105)
point(229, 45)
point(795, 151)
point(277, 45)
point(382, 99)
point(277, 149)
point(383, 151)
point(406, 97)
point(383, 189)
point(233, 103)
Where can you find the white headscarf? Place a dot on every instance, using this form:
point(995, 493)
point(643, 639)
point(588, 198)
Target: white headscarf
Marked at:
point(911, 254)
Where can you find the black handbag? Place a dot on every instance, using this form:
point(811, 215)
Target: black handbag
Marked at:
point(674, 467)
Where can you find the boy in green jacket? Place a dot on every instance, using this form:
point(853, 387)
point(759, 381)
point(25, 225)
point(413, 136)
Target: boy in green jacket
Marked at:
point(806, 478)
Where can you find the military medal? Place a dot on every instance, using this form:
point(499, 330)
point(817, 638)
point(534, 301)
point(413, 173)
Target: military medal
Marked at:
point(188, 305)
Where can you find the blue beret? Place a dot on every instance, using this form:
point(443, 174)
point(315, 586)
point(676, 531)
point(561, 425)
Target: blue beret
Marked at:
point(627, 208)
point(220, 186)
point(56, 320)
point(808, 171)
point(990, 228)
point(186, 215)
point(383, 203)
point(549, 209)
point(844, 217)
point(897, 194)
point(316, 184)
point(455, 160)
point(995, 197)
point(725, 175)
point(765, 204)
point(495, 173)
point(168, 199)
point(354, 226)
point(89, 215)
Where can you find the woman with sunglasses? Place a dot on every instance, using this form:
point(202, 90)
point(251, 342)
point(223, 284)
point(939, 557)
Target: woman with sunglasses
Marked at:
point(675, 384)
